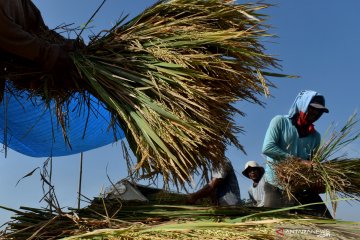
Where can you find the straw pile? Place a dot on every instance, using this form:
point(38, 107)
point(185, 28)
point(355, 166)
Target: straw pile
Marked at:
point(170, 77)
point(338, 176)
point(130, 222)
point(173, 222)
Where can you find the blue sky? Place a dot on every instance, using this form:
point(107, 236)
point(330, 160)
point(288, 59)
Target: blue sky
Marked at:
point(317, 40)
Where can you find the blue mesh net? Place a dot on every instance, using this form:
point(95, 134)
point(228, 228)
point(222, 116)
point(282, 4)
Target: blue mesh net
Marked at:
point(30, 128)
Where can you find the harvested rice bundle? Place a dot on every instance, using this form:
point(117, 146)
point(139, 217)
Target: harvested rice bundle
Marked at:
point(294, 176)
point(339, 176)
point(342, 173)
point(170, 76)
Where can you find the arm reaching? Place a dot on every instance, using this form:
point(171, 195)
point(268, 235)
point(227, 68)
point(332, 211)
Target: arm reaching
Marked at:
point(272, 138)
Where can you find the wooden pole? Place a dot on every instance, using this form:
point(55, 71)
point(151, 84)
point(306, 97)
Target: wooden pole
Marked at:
point(80, 179)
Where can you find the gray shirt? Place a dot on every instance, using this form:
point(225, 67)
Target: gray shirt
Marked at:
point(256, 194)
point(228, 192)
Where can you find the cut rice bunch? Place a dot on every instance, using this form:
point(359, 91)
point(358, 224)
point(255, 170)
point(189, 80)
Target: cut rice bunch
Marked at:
point(170, 77)
point(338, 175)
point(293, 176)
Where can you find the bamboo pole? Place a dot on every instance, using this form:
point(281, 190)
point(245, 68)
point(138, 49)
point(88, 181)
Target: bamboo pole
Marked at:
point(80, 179)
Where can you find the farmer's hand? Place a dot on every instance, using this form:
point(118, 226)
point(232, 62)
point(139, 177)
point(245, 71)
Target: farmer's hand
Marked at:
point(191, 199)
point(307, 163)
point(64, 68)
point(71, 45)
point(64, 62)
point(318, 186)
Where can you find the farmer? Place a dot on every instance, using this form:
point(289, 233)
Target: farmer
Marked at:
point(21, 26)
point(223, 188)
point(294, 135)
point(255, 172)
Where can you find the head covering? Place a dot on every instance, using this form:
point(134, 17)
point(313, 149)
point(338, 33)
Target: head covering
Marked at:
point(251, 164)
point(300, 107)
point(318, 102)
point(303, 100)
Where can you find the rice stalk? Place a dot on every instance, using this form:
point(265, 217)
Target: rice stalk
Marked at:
point(163, 222)
point(169, 77)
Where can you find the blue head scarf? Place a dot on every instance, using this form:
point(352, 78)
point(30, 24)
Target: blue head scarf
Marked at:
point(302, 102)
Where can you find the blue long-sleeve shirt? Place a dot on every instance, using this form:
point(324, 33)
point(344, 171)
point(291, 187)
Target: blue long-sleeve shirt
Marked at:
point(282, 140)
